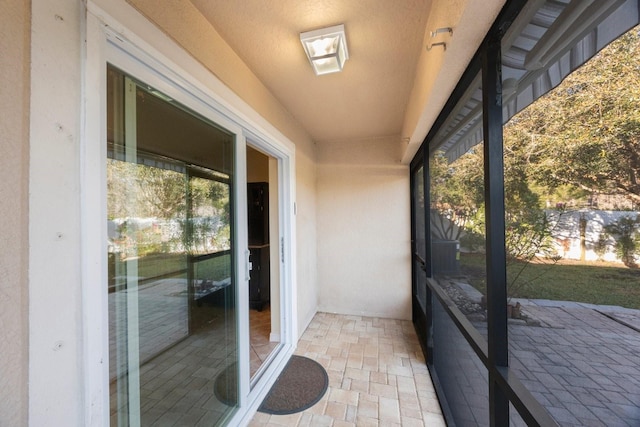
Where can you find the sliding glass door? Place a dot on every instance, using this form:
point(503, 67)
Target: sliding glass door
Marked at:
point(420, 291)
point(171, 285)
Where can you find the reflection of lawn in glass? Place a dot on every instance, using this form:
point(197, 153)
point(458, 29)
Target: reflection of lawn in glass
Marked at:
point(569, 280)
point(216, 269)
point(155, 265)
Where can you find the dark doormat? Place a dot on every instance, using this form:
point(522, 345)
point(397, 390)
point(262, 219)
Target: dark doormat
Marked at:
point(301, 385)
point(226, 385)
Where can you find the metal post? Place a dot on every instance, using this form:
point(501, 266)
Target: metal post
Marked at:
point(495, 209)
point(427, 239)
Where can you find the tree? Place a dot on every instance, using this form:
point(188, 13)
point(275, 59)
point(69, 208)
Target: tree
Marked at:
point(457, 201)
point(456, 193)
point(586, 132)
point(626, 232)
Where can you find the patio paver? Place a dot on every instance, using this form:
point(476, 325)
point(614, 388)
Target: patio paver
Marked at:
point(377, 375)
point(582, 362)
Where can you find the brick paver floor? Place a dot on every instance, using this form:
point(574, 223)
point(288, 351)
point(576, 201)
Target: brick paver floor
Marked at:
point(582, 363)
point(377, 376)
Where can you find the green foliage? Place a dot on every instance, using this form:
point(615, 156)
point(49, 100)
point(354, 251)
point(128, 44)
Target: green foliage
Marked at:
point(166, 210)
point(586, 132)
point(600, 246)
point(141, 191)
point(457, 193)
point(530, 244)
point(626, 232)
point(458, 211)
point(529, 237)
point(580, 139)
point(473, 238)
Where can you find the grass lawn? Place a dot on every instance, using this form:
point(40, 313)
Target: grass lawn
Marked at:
point(568, 280)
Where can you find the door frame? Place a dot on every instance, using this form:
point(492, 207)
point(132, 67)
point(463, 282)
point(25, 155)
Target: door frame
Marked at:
point(109, 41)
point(421, 317)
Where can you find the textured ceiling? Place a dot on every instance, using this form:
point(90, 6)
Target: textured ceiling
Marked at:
point(369, 98)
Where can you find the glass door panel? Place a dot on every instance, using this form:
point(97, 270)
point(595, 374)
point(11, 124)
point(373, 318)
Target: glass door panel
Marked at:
point(172, 309)
point(418, 230)
point(420, 255)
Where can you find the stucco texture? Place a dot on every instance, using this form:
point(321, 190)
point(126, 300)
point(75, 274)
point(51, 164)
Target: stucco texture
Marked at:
point(14, 131)
point(363, 227)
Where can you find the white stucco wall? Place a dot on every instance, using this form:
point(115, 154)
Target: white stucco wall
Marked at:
point(55, 292)
point(364, 229)
point(306, 226)
point(14, 147)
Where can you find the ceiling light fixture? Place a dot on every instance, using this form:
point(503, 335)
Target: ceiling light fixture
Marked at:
point(326, 49)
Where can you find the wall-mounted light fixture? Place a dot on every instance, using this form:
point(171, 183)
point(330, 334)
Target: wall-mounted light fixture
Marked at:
point(326, 49)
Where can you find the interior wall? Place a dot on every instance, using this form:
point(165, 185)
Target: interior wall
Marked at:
point(274, 253)
point(257, 166)
point(364, 248)
point(186, 25)
point(262, 168)
point(14, 165)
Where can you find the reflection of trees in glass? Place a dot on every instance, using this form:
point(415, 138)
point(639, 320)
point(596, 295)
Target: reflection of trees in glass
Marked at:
point(148, 208)
point(161, 192)
point(121, 177)
point(209, 219)
point(136, 190)
point(144, 203)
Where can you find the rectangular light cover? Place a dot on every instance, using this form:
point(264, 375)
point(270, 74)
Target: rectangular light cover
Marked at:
point(326, 49)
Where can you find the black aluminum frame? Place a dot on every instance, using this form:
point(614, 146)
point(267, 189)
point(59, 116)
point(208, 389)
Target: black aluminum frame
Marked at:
point(420, 319)
point(504, 387)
